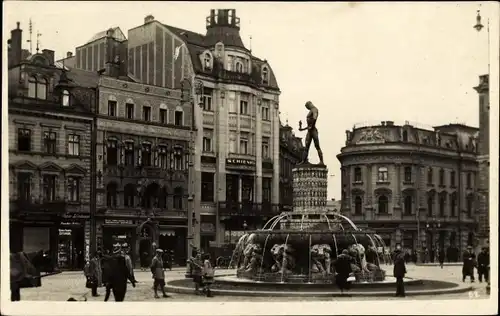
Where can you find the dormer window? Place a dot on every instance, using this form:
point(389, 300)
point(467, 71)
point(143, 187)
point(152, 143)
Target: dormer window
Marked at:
point(207, 61)
point(239, 67)
point(265, 75)
point(37, 88)
point(65, 98)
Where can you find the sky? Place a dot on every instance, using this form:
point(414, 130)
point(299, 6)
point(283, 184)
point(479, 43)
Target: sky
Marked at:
point(357, 62)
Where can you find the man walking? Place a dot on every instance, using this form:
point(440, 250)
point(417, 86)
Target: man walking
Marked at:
point(469, 261)
point(94, 276)
point(128, 260)
point(116, 273)
point(483, 265)
point(399, 271)
point(158, 272)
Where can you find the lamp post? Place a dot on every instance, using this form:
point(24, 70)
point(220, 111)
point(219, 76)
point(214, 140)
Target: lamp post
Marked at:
point(434, 226)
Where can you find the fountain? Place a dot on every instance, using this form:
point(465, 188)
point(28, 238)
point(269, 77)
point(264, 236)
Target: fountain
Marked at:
point(301, 246)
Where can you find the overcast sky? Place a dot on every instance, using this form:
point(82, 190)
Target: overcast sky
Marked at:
point(357, 62)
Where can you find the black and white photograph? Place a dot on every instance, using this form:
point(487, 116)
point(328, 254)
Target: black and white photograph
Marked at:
point(249, 158)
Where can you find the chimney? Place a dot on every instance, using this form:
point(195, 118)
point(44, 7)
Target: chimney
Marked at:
point(149, 19)
point(16, 45)
point(49, 54)
point(69, 54)
point(389, 123)
point(383, 123)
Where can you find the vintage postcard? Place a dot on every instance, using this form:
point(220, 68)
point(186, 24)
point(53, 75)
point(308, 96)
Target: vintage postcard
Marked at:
point(249, 158)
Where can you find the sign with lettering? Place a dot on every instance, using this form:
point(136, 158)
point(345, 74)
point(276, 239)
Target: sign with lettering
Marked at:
point(64, 232)
point(118, 222)
point(71, 223)
point(76, 216)
point(241, 162)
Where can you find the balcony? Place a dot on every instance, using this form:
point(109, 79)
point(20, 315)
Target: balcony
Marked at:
point(24, 208)
point(248, 209)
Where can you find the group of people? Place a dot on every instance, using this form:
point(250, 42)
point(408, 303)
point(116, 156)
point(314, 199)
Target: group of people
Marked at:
point(201, 270)
point(344, 272)
point(481, 263)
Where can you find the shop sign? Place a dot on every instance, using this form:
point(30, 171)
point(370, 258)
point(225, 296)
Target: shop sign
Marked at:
point(64, 232)
point(77, 216)
point(73, 223)
point(240, 162)
point(118, 222)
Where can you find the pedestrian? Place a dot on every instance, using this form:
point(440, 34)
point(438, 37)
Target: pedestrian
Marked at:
point(195, 263)
point(399, 271)
point(208, 275)
point(483, 264)
point(144, 260)
point(343, 269)
point(128, 260)
point(23, 274)
point(158, 272)
point(441, 257)
point(116, 274)
point(93, 272)
point(469, 261)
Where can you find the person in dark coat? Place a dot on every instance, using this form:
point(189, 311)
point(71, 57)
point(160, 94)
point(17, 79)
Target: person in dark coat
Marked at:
point(23, 273)
point(399, 271)
point(343, 269)
point(469, 261)
point(441, 257)
point(94, 273)
point(483, 265)
point(115, 275)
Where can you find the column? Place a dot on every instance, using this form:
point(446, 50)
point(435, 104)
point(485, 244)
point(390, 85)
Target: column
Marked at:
point(397, 194)
point(275, 137)
point(198, 146)
point(256, 102)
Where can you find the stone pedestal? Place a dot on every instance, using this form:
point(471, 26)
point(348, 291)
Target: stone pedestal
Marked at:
point(310, 184)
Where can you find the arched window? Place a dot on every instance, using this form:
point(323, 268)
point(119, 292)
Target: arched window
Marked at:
point(178, 197)
point(239, 67)
point(65, 98)
point(265, 75)
point(32, 87)
point(207, 61)
point(383, 204)
point(358, 205)
point(129, 193)
point(408, 205)
point(179, 116)
point(111, 190)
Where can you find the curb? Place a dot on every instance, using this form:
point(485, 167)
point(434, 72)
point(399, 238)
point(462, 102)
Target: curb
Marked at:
point(185, 290)
point(449, 264)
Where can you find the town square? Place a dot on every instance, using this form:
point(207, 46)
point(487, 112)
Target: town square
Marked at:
point(199, 152)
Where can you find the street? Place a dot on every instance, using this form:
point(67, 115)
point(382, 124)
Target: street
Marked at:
point(72, 284)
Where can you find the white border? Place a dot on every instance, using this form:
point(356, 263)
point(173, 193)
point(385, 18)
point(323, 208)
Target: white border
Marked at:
point(403, 307)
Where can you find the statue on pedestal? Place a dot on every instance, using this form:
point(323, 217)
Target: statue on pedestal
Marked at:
point(312, 132)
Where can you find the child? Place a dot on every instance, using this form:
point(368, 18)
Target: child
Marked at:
point(208, 275)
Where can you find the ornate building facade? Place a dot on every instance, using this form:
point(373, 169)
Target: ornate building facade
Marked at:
point(411, 185)
point(291, 151)
point(235, 96)
point(483, 158)
point(50, 155)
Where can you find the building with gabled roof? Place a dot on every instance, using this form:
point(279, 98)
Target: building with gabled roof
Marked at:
point(50, 112)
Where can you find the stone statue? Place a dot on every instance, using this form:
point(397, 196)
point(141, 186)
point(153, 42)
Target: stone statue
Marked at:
point(312, 132)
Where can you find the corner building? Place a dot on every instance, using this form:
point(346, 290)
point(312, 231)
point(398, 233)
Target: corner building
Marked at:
point(411, 185)
point(236, 117)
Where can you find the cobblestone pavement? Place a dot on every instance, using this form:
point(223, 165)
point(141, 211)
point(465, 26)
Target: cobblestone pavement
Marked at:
point(72, 284)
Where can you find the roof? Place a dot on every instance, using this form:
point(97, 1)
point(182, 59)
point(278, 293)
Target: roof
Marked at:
point(116, 33)
point(83, 78)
